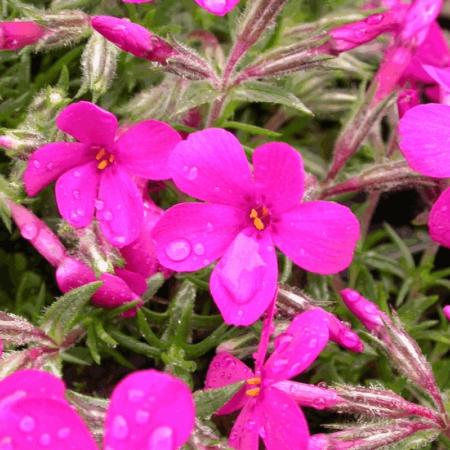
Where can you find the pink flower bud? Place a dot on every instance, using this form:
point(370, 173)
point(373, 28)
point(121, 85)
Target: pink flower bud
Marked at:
point(72, 273)
point(447, 311)
point(38, 233)
point(17, 35)
point(6, 142)
point(366, 311)
point(407, 99)
point(343, 335)
point(133, 38)
point(217, 7)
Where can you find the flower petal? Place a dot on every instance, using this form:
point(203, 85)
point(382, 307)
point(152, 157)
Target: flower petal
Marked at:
point(244, 281)
point(279, 175)
point(32, 423)
point(134, 280)
point(76, 191)
point(30, 384)
point(223, 370)
point(217, 7)
point(72, 273)
point(211, 165)
point(49, 162)
point(427, 148)
point(283, 421)
point(440, 76)
point(244, 434)
point(439, 219)
point(318, 236)
point(113, 293)
point(88, 123)
point(144, 149)
point(120, 210)
point(150, 410)
point(299, 346)
point(190, 236)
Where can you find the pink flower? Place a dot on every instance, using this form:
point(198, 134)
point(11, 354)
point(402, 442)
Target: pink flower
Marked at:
point(425, 142)
point(217, 7)
point(267, 408)
point(16, 35)
point(447, 311)
point(245, 216)
point(149, 410)
point(97, 172)
point(34, 413)
point(441, 76)
point(123, 286)
point(133, 38)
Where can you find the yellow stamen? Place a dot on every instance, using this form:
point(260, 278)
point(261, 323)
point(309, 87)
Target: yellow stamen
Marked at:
point(255, 380)
point(253, 392)
point(259, 225)
point(100, 154)
point(253, 214)
point(102, 164)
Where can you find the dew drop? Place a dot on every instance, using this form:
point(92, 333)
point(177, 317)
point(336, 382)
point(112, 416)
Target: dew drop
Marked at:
point(27, 424)
point(161, 439)
point(199, 249)
point(282, 341)
point(120, 427)
point(45, 439)
point(178, 250)
point(29, 231)
point(6, 443)
point(36, 164)
point(50, 166)
point(192, 173)
point(63, 433)
point(240, 313)
point(76, 194)
point(279, 365)
point(209, 226)
point(375, 19)
point(77, 174)
point(107, 215)
point(313, 343)
point(319, 403)
point(142, 416)
point(99, 204)
point(135, 395)
point(250, 425)
point(120, 239)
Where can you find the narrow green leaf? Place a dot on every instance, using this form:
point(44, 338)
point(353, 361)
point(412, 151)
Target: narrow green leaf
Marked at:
point(251, 129)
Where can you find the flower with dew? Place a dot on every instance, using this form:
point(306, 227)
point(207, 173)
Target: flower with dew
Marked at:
point(148, 409)
point(217, 7)
point(96, 174)
point(245, 215)
point(124, 285)
point(19, 34)
point(427, 150)
point(267, 400)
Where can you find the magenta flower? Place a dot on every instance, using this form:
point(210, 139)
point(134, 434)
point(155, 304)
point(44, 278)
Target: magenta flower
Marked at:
point(17, 35)
point(446, 310)
point(133, 38)
point(268, 410)
point(217, 7)
point(245, 216)
point(149, 410)
point(97, 172)
point(35, 414)
point(427, 150)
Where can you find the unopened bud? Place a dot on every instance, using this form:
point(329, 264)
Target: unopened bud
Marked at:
point(17, 35)
point(99, 61)
point(447, 311)
point(21, 141)
point(217, 7)
point(72, 273)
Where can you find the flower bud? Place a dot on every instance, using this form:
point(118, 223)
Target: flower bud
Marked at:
point(407, 99)
point(17, 35)
point(447, 311)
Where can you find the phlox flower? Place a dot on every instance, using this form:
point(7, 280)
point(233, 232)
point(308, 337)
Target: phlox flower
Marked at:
point(268, 408)
point(425, 143)
point(19, 34)
point(124, 285)
point(217, 7)
point(95, 174)
point(245, 215)
point(148, 409)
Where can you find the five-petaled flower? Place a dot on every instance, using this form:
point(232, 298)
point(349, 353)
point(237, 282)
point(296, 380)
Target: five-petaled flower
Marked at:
point(97, 172)
point(268, 411)
point(245, 216)
point(148, 409)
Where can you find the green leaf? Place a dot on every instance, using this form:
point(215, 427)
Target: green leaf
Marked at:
point(259, 92)
point(198, 93)
point(250, 129)
point(208, 401)
point(63, 313)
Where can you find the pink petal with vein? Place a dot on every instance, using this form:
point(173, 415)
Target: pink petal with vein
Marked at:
point(88, 123)
point(245, 432)
point(318, 236)
point(244, 281)
point(50, 161)
point(211, 165)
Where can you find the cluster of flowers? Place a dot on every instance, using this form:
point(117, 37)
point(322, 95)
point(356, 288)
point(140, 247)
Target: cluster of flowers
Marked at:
point(246, 212)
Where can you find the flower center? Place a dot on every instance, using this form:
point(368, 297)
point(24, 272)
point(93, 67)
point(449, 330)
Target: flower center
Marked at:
point(104, 159)
point(260, 217)
point(253, 386)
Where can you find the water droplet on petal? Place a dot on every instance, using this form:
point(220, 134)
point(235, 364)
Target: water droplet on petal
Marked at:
point(319, 403)
point(45, 439)
point(36, 164)
point(63, 433)
point(199, 249)
point(27, 424)
point(240, 312)
point(178, 250)
point(6, 443)
point(76, 194)
point(120, 427)
point(120, 239)
point(29, 231)
point(107, 216)
point(279, 365)
point(50, 166)
point(99, 204)
point(135, 395)
point(77, 174)
point(282, 341)
point(142, 416)
point(161, 439)
point(209, 226)
point(192, 174)
point(375, 19)
point(313, 343)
